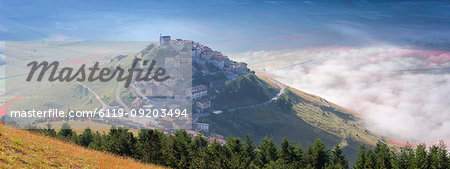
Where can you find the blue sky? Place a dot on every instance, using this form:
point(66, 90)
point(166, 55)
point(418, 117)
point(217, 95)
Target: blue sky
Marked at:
point(230, 26)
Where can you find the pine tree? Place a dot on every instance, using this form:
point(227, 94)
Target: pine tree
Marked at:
point(66, 132)
point(406, 157)
point(286, 151)
point(120, 141)
point(370, 159)
point(234, 145)
point(271, 150)
point(443, 156)
point(338, 157)
point(383, 156)
point(216, 156)
point(361, 160)
point(49, 131)
point(203, 160)
point(320, 154)
point(236, 154)
point(267, 152)
point(299, 160)
point(433, 158)
point(438, 156)
point(98, 142)
point(149, 146)
point(249, 148)
point(178, 150)
point(85, 138)
point(421, 157)
point(309, 156)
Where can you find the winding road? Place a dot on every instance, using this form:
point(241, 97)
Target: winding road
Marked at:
point(118, 99)
point(264, 103)
point(104, 106)
point(117, 92)
point(281, 86)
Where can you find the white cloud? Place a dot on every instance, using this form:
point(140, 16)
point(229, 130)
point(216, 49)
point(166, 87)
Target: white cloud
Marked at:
point(404, 105)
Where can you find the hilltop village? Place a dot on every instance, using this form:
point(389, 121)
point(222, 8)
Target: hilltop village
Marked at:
point(211, 70)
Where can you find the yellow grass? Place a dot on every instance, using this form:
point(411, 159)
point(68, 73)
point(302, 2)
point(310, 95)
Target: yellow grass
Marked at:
point(330, 122)
point(24, 149)
point(313, 115)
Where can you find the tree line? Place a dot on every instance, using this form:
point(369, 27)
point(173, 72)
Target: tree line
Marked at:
point(180, 150)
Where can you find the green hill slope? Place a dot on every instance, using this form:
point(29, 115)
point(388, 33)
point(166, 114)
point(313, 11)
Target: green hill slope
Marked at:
point(295, 115)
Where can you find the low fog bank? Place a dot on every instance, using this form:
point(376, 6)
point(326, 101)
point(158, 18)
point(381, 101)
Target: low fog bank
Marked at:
point(401, 93)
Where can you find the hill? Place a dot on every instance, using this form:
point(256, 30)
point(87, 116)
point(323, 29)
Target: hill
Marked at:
point(251, 103)
point(294, 114)
point(24, 149)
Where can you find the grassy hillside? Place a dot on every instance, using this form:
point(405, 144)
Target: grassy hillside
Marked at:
point(332, 118)
point(23, 149)
point(306, 118)
point(247, 90)
point(267, 120)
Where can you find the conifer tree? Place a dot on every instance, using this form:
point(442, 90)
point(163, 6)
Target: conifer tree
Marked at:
point(267, 152)
point(309, 156)
point(49, 131)
point(405, 158)
point(120, 141)
point(338, 157)
point(66, 132)
point(438, 156)
point(361, 160)
point(85, 138)
point(421, 157)
point(299, 160)
point(178, 150)
point(286, 151)
point(320, 154)
point(249, 148)
point(443, 156)
point(234, 145)
point(98, 142)
point(370, 158)
point(383, 156)
point(236, 154)
point(149, 146)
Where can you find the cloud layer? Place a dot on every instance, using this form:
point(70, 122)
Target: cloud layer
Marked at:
point(401, 93)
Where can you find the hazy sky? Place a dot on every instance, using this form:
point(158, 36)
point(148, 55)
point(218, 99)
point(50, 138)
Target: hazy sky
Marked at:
point(356, 53)
point(229, 26)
